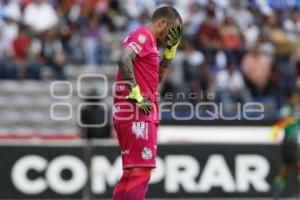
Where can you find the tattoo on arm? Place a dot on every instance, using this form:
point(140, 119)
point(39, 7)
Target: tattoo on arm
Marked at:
point(163, 67)
point(126, 66)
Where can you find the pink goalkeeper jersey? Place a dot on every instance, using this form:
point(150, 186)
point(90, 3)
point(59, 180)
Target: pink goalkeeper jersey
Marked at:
point(146, 72)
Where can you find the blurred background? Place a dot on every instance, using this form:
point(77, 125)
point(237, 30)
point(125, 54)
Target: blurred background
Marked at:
point(57, 65)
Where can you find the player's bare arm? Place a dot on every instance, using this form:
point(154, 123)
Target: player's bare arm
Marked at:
point(163, 67)
point(126, 66)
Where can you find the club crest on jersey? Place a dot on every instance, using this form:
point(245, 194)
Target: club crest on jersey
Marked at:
point(140, 129)
point(147, 153)
point(141, 38)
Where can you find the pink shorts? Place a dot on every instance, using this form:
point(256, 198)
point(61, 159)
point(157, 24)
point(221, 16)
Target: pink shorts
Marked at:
point(138, 143)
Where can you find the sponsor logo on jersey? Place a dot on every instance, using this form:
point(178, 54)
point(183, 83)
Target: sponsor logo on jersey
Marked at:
point(135, 47)
point(140, 129)
point(125, 152)
point(116, 109)
point(119, 88)
point(147, 153)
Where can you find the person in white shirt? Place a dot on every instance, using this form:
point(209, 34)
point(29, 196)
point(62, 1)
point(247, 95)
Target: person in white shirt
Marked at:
point(40, 16)
point(230, 87)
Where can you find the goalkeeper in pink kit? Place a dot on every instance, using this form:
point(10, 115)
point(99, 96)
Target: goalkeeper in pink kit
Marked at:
point(136, 101)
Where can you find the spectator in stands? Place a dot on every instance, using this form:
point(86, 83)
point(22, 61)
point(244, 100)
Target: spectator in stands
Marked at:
point(232, 39)
point(174, 80)
point(208, 37)
point(230, 87)
point(90, 41)
point(95, 42)
point(192, 63)
point(143, 19)
point(49, 51)
point(264, 7)
point(134, 8)
point(11, 9)
point(68, 13)
point(292, 22)
point(95, 115)
point(296, 63)
point(40, 16)
point(284, 48)
point(196, 16)
point(284, 45)
point(29, 68)
point(242, 16)
point(183, 77)
point(205, 82)
point(8, 32)
point(90, 7)
point(257, 68)
point(251, 35)
point(8, 69)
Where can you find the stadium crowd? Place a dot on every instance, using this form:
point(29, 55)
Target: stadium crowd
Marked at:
point(241, 50)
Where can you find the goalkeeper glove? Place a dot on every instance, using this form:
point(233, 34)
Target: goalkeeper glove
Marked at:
point(143, 104)
point(174, 37)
